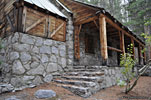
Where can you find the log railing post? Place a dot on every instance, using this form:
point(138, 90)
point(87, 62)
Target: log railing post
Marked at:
point(103, 40)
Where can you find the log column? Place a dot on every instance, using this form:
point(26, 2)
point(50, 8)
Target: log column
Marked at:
point(144, 55)
point(133, 49)
point(76, 42)
point(140, 54)
point(122, 44)
point(103, 40)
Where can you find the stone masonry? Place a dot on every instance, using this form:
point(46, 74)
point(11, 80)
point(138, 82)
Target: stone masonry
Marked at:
point(30, 59)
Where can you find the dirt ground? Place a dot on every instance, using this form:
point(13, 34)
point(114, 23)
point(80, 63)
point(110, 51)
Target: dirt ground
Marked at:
point(141, 92)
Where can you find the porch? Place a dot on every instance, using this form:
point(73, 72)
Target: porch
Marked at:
point(100, 41)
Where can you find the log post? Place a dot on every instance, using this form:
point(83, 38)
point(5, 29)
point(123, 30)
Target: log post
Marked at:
point(24, 18)
point(122, 44)
point(133, 49)
point(144, 55)
point(76, 42)
point(103, 40)
point(140, 55)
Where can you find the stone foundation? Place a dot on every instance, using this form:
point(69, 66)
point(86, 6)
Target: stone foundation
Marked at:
point(31, 60)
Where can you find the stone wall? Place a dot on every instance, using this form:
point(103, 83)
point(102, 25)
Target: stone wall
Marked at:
point(112, 74)
point(113, 56)
point(95, 59)
point(31, 60)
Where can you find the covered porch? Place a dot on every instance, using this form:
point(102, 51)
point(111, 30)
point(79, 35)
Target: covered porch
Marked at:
point(100, 39)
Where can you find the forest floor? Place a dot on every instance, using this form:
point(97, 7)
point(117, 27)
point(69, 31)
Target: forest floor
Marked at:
point(142, 91)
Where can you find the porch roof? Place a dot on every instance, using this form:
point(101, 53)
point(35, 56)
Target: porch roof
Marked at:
point(103, 11)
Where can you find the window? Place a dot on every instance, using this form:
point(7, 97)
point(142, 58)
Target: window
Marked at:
point(89, 44)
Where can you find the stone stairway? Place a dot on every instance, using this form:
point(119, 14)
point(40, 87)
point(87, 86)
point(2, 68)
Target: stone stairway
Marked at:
point(82, 80)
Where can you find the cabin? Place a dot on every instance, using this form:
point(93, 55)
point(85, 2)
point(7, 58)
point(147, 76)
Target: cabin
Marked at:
point(42, 38)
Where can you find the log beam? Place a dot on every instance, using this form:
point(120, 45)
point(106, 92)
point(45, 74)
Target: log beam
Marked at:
point(114, 49)
point(120, 29)
point(96, 24)
point(103, 39)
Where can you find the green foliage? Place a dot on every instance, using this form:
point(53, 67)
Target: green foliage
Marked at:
point(127, 62)
point(147, 38)
point(138, 14)
point(121, 83)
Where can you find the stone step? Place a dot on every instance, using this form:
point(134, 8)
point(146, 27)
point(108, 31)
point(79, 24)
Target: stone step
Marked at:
point(84, 78)
point(87, 67)
point(86, 73)
point(78, 90)
point(83, 70)
point(76, 82)
point(79, 67)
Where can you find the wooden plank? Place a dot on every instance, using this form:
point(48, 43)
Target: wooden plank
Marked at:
point(86, 20)
point(82, 17)
point(49, 24)
point(65, 31)
point(19, 24)
point(103, 38)
point(10, 23)
point(114, 49)
point(36, 23)
point(55, 31)
point(24, 18)
point(96, 24)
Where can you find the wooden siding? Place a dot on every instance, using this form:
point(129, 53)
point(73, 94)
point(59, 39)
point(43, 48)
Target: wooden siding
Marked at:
point(40, 24)
point(25, 19)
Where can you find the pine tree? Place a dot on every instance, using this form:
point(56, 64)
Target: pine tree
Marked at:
point(139, 13)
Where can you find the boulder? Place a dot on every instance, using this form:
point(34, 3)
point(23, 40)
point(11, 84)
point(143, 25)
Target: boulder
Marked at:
point(45, 94)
